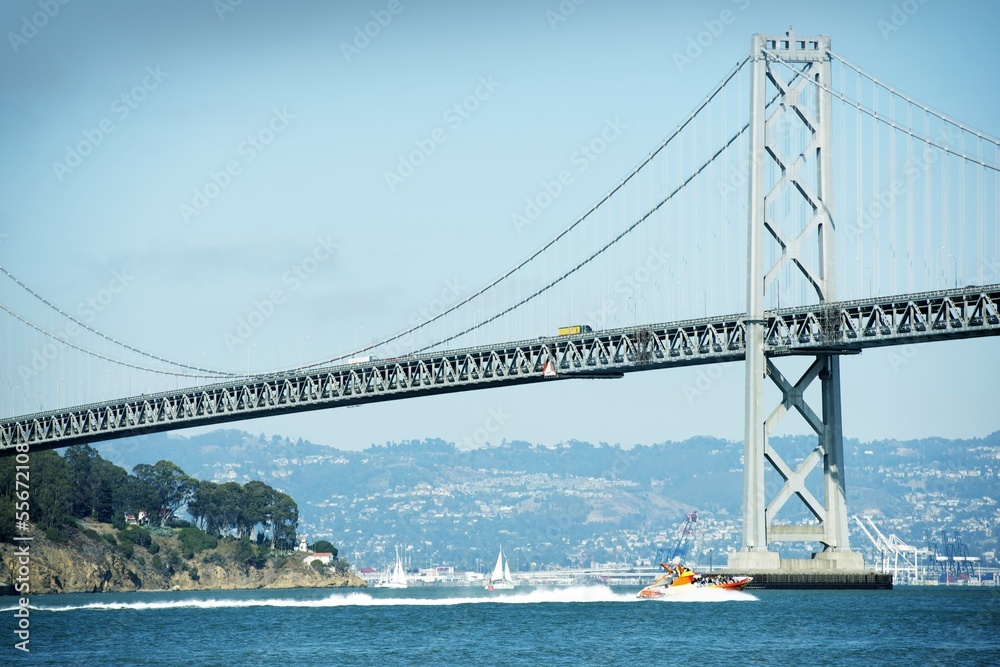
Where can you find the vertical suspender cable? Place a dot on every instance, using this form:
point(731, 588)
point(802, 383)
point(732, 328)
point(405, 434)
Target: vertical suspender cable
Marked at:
point(945, 231)
point(927, 213)
point(960, 263)
point(876, 194)
point(891, 197)
point(980, 221)
point(910, 217)
point(860, 204)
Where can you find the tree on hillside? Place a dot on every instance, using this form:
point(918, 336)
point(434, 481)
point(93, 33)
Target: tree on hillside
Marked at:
point(284, 521)
point(219, 508)
point(256, 508)
point(246, 556)
point(51, 490)
point(80, 460)
point(229, 499)
point(135, 496)
point(203, 506)
point(171, 485)
point(324, 546)
point(94, 480)
point(222, 509)
point(8, 487)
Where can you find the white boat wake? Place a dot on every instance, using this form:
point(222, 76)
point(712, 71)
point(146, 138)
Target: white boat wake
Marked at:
point(571, 594)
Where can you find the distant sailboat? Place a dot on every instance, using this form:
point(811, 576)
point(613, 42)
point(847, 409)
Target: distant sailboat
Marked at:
point(394, 577)
point(500, 579)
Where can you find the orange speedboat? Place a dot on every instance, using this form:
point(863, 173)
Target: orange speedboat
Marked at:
point(679, 579)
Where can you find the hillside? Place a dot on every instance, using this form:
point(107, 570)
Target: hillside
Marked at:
point(578, 502)
point(97, 558)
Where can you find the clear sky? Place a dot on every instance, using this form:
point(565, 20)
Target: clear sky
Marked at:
point(228, 142)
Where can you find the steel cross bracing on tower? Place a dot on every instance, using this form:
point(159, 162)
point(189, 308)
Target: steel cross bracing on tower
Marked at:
point(805, 241)
point(842, 327)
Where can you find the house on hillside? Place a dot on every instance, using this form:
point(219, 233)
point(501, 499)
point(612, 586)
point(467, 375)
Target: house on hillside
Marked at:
point(324, 557)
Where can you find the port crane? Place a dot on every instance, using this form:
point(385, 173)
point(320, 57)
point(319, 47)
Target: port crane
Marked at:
point(687, 528)
point(898, 557)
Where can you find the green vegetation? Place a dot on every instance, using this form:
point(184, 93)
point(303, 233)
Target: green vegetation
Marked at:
point(127, 548)
point(214, 558)
point(323, 546)
point(195, 540)
point(247, 555)
point(242, 526)
point(230, 508)
point(136, 535)
point(56, 535)
point(81, 484)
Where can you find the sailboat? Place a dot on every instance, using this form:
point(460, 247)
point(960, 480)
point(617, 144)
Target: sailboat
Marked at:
point(500, 579)
point(394, 577)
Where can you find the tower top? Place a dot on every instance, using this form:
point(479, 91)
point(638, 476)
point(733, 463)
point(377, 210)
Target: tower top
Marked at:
point(792, 47)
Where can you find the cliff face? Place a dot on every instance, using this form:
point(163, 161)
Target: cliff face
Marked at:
point(87, 563)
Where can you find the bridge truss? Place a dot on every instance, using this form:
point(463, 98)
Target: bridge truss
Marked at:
point(844, 328)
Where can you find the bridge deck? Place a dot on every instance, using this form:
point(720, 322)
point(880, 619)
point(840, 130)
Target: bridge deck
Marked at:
point(835, 328)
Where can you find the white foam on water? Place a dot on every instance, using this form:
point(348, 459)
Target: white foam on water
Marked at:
point(567, 595)
point(360, 599)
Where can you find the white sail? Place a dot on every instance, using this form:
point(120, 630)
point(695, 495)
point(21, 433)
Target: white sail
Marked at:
point(500, 578)
point(498, 569)
point(398, 573)
point(394, 577)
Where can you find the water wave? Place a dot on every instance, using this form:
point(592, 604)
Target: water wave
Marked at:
point(570, 594)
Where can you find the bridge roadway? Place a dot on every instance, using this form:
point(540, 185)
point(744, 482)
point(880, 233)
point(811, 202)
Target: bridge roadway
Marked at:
point(837, 328)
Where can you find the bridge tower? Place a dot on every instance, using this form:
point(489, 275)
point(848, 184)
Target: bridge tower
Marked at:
point(790, 160)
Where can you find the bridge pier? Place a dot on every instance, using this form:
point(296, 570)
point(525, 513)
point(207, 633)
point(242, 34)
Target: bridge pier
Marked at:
point(830, 529)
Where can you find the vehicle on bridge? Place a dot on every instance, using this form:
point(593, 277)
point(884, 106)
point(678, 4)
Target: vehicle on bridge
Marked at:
point(367, 359)
point(574, 329)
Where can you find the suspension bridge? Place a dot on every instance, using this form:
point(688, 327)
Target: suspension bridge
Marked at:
point(796, 164)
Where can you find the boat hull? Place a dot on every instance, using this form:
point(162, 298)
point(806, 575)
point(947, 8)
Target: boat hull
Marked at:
point(665, 591)
point(500, 586)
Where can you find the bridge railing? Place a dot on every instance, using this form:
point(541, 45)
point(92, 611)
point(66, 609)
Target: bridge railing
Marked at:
point(834, 328)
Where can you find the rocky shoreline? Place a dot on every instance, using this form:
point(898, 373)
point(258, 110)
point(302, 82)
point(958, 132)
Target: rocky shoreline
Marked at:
point(83, 559)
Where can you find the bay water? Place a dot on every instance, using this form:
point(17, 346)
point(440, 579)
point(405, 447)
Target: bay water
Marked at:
point(582, 625)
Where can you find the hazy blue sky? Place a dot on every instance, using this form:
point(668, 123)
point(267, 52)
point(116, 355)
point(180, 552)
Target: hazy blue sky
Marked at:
point(332, 112)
